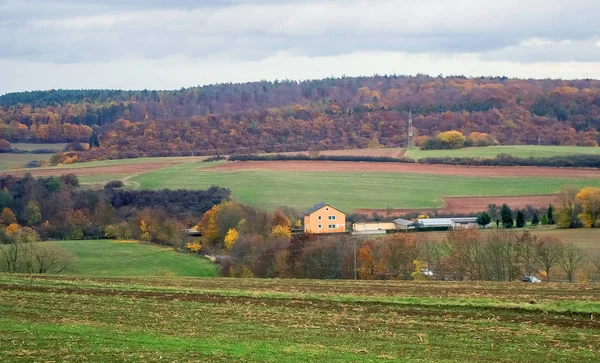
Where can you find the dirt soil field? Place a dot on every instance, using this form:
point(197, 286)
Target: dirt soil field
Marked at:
point(343, 166)
point(96, 170)
point(466, 205)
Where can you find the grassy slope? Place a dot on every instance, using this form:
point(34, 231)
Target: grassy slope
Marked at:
point(114, 258)
point(294, 320)
point(492, 151)
point(347, 191)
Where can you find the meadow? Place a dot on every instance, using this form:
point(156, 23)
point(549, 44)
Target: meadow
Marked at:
point(18, 161)
point(55, 318)
point(269, 189)
point(132, 258)
point(514, 150)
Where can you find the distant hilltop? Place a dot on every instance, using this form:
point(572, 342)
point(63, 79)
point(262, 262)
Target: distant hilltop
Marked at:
point(332, 113)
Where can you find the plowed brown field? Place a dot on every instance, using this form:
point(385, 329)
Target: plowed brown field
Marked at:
point(348, 166)
point(466, 205)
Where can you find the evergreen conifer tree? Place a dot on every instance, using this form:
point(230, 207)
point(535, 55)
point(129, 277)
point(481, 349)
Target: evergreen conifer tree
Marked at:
point(520, 219)
point(506, 216)
point(535, 219)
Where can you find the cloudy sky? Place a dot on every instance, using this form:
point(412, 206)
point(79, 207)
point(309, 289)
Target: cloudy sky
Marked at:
point(169, 44)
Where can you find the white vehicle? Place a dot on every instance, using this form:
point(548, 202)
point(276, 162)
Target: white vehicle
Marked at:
point(531, 279)
point(426, 272)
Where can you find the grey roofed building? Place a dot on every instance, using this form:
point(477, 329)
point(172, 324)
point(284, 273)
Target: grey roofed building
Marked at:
point(404, 223)
point(318, 206)
point(435, 223)
point(464, 220)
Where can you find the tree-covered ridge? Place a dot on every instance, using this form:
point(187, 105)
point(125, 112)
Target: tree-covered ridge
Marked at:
point(285, 116)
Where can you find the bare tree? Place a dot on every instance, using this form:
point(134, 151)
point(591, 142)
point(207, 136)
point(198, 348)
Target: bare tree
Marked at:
point(23, 253)
point(549, 252)
point(14, 248)
point(526, 245)
point(572, 259)
point(596, 264)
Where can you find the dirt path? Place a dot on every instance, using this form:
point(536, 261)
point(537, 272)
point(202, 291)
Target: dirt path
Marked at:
point(467, 205)
point(343, 166)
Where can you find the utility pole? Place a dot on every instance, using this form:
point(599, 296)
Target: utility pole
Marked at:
point(354, 240)
point(410, 129)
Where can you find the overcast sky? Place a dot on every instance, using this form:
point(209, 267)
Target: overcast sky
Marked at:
point(169, 44)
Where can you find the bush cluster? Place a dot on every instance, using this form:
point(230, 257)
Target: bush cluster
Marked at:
point(571, 161)
point(303, 157)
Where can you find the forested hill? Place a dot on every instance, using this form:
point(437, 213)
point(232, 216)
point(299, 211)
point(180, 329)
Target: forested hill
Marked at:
point(288, 115)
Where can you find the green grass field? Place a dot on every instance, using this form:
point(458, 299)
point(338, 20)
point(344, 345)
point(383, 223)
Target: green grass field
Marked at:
point(51, 318)
point(115, 258)
point(347, 190)
point(493, 151)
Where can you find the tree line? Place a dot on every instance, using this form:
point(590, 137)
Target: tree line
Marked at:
point(464, 254)
point(58, 208)
point(293, 116)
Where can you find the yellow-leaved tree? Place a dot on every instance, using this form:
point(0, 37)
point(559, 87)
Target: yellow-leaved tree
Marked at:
point(281, 231)
point(589, 198)
point(417, 274)
point(452, 139)
point(230, 238)
point(193, 246)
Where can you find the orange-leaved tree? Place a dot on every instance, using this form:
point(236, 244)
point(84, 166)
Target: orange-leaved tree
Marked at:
point(7, 217)
point(208, 226)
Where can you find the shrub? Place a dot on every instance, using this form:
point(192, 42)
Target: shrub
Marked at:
point(213, 158)
point(114, 184)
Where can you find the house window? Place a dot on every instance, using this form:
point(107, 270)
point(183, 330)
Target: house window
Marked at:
point(332, 218)
point(326, 208)
point(319, 218)
point(331, 226)
point(320, 226)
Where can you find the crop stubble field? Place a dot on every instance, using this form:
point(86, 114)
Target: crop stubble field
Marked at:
point(152, 319)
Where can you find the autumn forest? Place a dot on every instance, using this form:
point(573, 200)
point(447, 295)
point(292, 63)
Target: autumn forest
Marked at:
point(311, 115)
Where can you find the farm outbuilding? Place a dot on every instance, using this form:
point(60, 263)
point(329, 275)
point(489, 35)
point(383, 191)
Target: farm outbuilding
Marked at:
point(373, 227)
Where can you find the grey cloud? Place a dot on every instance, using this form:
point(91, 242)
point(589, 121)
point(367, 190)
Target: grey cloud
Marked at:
point(70, 31)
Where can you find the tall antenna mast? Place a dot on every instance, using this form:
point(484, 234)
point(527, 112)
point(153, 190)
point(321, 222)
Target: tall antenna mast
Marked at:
point(410, 129)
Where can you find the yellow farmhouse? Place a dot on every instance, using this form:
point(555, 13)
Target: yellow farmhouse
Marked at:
point(323, 218)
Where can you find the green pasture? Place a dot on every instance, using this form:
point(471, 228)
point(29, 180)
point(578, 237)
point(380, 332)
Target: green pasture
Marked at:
point(347, 190)
point(116, 258)
point(515, 150)
point(53, 318)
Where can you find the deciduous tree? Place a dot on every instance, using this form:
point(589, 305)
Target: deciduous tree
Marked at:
point(549, 252)
point(572, 259)
point(589, 198)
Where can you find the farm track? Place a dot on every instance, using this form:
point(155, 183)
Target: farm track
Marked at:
point(349, 166)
